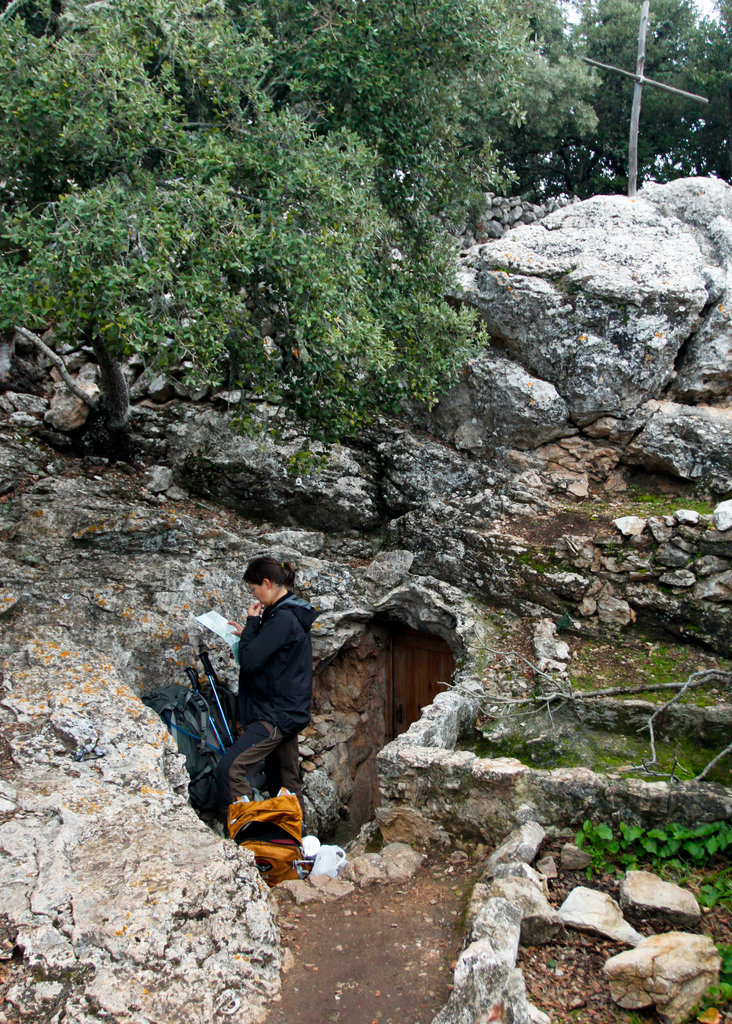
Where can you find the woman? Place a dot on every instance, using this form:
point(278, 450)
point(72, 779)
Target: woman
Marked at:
point(275, 681)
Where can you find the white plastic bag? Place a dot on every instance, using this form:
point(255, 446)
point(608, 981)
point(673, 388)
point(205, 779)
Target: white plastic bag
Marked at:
point(330, 860)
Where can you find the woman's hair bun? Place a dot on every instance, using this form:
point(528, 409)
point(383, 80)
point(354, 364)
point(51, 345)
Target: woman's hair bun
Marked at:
point(267, 568)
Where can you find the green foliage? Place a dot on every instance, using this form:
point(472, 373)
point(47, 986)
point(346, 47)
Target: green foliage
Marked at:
point(675, 846)
point(414, 81)
point(161, 197)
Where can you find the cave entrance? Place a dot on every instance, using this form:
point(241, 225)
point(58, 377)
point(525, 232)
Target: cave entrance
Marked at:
point(367, 695)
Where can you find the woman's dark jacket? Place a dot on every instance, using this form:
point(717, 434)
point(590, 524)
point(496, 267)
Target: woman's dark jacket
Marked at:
point(276, 659)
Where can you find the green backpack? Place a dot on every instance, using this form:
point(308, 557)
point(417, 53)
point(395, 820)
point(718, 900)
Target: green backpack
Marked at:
point(188, 718)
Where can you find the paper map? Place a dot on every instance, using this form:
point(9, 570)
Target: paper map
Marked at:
point(219, 625)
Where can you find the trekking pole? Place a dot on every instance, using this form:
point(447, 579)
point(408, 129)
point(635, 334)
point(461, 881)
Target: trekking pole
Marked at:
point(212, 678)
point(193, 676)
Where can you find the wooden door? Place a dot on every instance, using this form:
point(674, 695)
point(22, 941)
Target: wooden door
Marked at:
point(419, 666)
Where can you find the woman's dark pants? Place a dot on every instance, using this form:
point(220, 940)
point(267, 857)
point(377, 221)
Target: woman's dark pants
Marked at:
point(260, 741)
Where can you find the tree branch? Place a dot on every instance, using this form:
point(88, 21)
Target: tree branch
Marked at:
point(10, 9)
point(720, 755)
point(523, 707)
point(60, 366)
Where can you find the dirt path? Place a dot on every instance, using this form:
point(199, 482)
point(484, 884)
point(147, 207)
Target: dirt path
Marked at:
point(385, 954)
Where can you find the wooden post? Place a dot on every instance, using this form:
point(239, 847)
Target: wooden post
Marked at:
point(637, 96)
point(640, 81)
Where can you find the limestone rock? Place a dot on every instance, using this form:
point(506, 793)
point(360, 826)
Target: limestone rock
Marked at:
point(551, 654)
point(390, 567)
point(574, 859)
point(592, 911)
point(630, 526)
point(34, 406)
point(723, 516)
point(484, 988)
point(522, 844)
point(681, 578)
point(518, 869)
point(596, 299)
point(158, 479)
point(500, 402)
point(405, 825)
point(646, 892)
point(539, 920)
point(400, 861)
point(300, 891)
point(692, 443)
point(615, 611)
point(67, 412)
point(498, 921)
point(96, 870)
point(547, 867)
point(671, 971)
point(478, 896)
point(331, 888)
point(338, 494)
point(716, 587)
point(322, 796)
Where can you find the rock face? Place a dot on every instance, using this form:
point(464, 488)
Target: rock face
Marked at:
point(96, 870)
point(670, 971)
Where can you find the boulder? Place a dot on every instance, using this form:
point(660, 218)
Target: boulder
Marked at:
point(574, 859)
point(500, 403)
point(596, 299)
point(591, 911)
point(647, 893)
point(691, 443)
point(671, 971)
point(335, 490)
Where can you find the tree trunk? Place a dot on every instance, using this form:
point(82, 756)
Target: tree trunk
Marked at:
point(115, 393)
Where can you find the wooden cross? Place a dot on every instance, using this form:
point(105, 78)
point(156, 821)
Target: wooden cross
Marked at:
point(640, 81)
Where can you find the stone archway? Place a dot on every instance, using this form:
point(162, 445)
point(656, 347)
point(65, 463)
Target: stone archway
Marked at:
point(368, 693)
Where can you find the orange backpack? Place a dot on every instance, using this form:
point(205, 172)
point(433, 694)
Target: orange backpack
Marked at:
point(272, 830)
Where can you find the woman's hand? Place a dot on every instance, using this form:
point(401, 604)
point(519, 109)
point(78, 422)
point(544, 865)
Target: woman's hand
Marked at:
point(255, 609)
point(236, 629)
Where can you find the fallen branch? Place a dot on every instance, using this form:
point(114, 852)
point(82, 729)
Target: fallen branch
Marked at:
point(60, 366)
point(694, 680)
point(708, 768)
point(499, 707)
point(709, 675)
